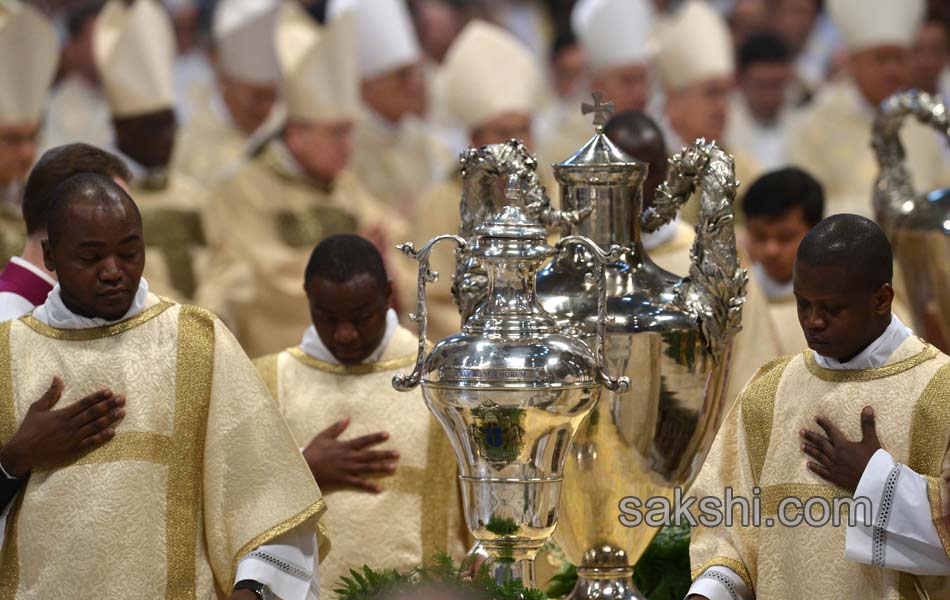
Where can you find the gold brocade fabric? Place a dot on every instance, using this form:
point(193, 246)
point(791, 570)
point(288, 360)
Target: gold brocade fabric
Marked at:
point(756, 343)
point(759, 447)
point(419, 513)
point(202, 469)
point(176, 248)
point(832, 141)
point(263, 223)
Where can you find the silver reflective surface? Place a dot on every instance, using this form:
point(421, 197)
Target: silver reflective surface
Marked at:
point(917, 224)
point(670, 335)
point(511, 389)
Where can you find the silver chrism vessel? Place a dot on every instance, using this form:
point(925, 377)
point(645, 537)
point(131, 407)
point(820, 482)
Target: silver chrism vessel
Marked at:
point(671, 335)
point(917, 224)
point(511, 389)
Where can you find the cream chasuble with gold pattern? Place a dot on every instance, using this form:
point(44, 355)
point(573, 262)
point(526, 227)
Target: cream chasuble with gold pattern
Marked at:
point(262, 224)
point(174, 235)
point(187, 487)
point(759, 447)
point(419, 512)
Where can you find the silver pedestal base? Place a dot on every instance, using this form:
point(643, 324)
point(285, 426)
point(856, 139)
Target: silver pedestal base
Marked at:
point(605, 584)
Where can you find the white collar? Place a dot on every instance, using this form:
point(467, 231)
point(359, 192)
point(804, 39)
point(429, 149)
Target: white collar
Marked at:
point(314, 346)
point(876, 354)
point(662, 235)
point(774, 290)
point(55, 313)
point(22, 262)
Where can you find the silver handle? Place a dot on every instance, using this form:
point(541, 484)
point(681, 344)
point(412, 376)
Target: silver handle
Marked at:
point(401, 381)
point(602, 258)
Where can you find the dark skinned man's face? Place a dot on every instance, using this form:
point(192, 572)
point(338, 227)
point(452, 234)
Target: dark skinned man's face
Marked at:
point(147, 139)
point(98, 259)
point(839, 316)
point(349, 316)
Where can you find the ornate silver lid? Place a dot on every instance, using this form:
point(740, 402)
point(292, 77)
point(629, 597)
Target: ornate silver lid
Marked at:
point(599, 160)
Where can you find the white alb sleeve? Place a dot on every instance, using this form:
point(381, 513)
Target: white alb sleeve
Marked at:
point(892, 525)
point(287, 565)
point(720, 583)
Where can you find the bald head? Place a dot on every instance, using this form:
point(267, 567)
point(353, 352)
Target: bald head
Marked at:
point(639, 136)
point(852, 243)
point(88, 192)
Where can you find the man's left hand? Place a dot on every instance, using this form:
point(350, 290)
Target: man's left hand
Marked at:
point(837, 459)
point(243, 595)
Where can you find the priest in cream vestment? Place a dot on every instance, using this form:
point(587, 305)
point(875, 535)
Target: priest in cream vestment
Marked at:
point(398, 154)
point(220, 132)
point(490, 84)
point(201, 486)
point(841, 277)
point(30, 53)
point(343, 368)
point(134, 48)
point(264, 220)
point(832, 141)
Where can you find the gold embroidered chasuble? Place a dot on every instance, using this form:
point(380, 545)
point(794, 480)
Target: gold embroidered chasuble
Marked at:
point(419, 511)
point(202, 469)
point(758, 447)
point(174, 236)
point(263, 223)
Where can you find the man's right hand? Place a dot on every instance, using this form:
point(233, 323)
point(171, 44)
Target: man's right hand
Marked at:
point(47, 437)
point(336, 464)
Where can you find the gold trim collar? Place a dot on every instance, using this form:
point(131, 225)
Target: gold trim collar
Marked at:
point(94, 333)
point(376, 367)
point(927, 353)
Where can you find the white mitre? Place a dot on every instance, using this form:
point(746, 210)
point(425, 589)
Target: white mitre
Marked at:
point(695, 45)
point(387, 38)
point(29, 53)
point(318, 65)
point(866, 24)
point(243, 33)
point(488, 73)
point(614, 33)
point(134, 48)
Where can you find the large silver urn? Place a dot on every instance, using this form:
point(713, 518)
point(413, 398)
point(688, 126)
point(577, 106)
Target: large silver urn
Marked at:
point(512, 388)
point(670, 335)
point(917, 224)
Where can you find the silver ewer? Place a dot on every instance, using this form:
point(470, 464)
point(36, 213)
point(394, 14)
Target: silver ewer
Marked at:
point(511, 389)
point(670, 335)
point(917, 224)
